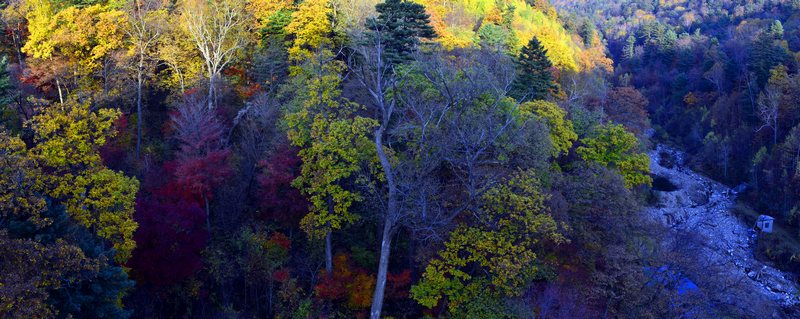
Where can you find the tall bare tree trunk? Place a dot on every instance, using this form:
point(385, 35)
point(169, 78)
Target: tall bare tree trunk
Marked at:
point(15, 36)
point(775, 131)
point(60, 95)
point(383, 269)
point(388, 226)
point(328, 253)
point(139, 84)
point(269, 298)
point(211, 91)
point(208, 215)
point(328, 242)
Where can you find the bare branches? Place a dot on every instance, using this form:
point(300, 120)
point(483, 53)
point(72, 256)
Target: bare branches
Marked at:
point(219, 30)
point(768, 110)
point(196, 127)
point(145, 24)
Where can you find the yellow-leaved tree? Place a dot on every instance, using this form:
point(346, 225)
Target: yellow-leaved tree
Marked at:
point(263, 10)
point(312, 28)
point(562, 134)
point(494, 256)
point(81, 38)
point(176, 50)
point(334, 139)
point(67, 140)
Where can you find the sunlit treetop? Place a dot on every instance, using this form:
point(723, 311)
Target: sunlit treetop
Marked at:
point(562, 133)
point(617, 148)
point(83, 36)
point(455, 22)
point(498, 254)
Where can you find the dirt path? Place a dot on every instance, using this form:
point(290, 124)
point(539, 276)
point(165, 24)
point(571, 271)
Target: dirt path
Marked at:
point(715, 247)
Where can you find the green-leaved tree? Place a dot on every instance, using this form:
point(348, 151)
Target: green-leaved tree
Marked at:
point(617, 148)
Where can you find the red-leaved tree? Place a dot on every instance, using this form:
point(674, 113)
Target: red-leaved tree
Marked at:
point(279, 200)
point(169, 240)
point(202, 163)
point(353, 285)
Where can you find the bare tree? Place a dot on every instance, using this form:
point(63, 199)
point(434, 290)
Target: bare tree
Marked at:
point(716, 75)
point(769, 103)
point(219, 29)
point(353, 14)
point(455, 128)
point(145, 25)
point(196, 128)
point(582, 86)
point(203, 149)
point(460, 127)
point(378, 78)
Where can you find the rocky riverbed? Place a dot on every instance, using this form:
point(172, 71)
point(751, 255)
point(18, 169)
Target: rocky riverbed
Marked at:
point(712, 246)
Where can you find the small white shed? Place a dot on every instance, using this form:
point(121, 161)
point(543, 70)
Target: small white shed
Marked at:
point(764, 223)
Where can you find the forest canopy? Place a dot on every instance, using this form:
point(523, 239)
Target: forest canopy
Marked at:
point(383, 159)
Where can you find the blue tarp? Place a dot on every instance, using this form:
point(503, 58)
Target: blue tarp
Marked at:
point(670, 278)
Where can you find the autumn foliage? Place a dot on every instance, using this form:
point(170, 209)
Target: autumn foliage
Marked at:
point(353, 285)
point(279, 200)
point(370, 158)
point(169, 241)
point(202, 162)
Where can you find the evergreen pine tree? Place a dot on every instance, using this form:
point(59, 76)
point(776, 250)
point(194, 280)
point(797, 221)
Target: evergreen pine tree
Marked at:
point(534, 80)
point(630, 48)
point(402, 24)
point(776, 30)
point(8, 117)
point(768, 51)
point(587, 33)
point(100, 293)
point(511, 34)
